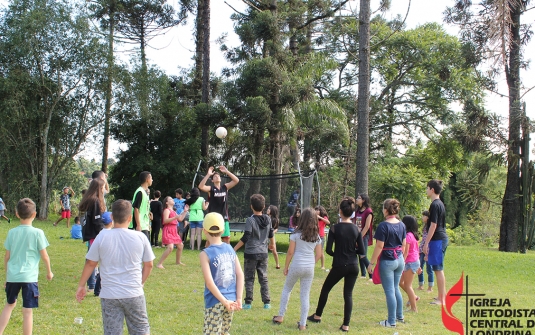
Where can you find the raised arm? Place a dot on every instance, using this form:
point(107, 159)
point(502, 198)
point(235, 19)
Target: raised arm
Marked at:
point(233, 179)
point(202, 186)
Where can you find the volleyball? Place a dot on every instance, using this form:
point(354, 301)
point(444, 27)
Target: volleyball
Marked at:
point(221, 132)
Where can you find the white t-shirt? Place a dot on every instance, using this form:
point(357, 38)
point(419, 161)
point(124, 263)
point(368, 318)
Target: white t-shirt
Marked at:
point(304, 256)
point(120, 253)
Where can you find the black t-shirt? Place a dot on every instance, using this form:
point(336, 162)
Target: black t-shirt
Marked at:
point(437, 214)
point(218, 201)
point(347, 244)
point(156, 208)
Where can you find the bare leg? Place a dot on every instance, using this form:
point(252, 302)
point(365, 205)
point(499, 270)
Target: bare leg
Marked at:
point(192, 238)
point(168, 250)
point(68, 222)
point(322, 259)
point(179, 248)
point(441, 286)
point(199, 238)
point(27, 321)
point(276, 256)
point(6, 314)
point(406, 284)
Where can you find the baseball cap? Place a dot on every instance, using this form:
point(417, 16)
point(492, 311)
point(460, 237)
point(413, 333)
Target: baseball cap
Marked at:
point(106, 218)
point(211, 220)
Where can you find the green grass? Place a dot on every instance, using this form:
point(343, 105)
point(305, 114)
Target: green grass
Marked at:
point(175, 295)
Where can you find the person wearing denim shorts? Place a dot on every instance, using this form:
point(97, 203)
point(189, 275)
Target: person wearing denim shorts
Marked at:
point(437, 238)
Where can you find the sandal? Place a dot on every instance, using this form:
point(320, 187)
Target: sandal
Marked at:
point(275, 321)
point(344, 330)
point(311, 318)
point(277, 267)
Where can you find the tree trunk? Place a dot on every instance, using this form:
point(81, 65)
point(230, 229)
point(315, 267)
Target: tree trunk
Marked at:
point(199, 41)
point(43, 197)
point(205, 75)
point(144, 101)
point(511, 204)
point(363, 132)
point(109, 87)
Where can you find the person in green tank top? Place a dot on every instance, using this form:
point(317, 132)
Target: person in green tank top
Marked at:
point(140, 205)
point(197, 206)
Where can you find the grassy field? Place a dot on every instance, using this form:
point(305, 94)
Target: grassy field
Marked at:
point(175, 295)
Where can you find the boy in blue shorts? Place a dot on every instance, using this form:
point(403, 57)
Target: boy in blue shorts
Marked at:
point(25, 246)
point(223, 277)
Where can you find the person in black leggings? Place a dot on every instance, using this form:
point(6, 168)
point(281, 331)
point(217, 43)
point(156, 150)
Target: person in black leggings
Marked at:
point(156, 208)
point(347, 246)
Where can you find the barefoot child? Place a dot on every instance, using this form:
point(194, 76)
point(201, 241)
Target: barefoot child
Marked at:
point(304, 251)
point(412, 262)
point(170, 235)
point(25, 246)
point(273, 213)
point(223, 278)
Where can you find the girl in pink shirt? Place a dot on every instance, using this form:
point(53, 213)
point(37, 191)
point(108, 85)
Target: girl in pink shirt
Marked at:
point(323, 220)
point(412, 260)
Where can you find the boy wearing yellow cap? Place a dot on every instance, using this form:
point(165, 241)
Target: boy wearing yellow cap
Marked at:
point(223, 278)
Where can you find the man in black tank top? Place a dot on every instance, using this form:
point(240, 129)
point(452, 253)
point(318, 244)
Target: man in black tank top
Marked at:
point(217, 195)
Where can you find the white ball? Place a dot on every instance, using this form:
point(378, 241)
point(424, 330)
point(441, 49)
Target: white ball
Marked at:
point(221, 132)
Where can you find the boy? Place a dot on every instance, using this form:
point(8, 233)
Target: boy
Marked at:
point(65, 201)
point(141, 212)
point(218, 195)
point(257, 232)
point(76, 230)
point(223, 278)
point(2, 209)
point(121, 253)
point(180, 202)
point(436, 241)
point(25, 246)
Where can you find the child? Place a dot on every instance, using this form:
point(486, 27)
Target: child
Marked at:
point(76, 230)
point(107, 221)
point(294, 220)
point(170, 234)
point(323, 220)
point(25, 246)
point(223, 278)
point(2, 209)
point(65, 201)
point(412, 260)
point(273, 213)
point(257, 232)
point(197, 205)
point(423, 261)
point(184, 225)
point(303, 244)
point(122, 253)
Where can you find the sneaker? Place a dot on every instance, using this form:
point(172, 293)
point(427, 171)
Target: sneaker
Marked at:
point(267, 306)
point(385, 323)
point(400, 320)
point(8, 220)
point(246, 306)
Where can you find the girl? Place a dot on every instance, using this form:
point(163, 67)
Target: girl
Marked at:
point(423, 261)
point(92, 205)
point(197, 205)
point(364, 218)
point(390, 240)
point(412, 262)
point(348, 245)
point(323, 220)
point(273, 213)
point(170, 234)
point(304, 243)
point(294, 220)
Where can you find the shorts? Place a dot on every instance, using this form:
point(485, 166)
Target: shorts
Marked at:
point(30, 294)
point(115, 311)
point(413, 266)
point(195, 224)
point(1, 212)
point(217, 320)
point(322, 242)
point(226, 232)
point(65, 213)
point(437, 252)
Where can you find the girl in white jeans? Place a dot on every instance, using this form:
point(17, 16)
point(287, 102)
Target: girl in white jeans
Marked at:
point(303, 253)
